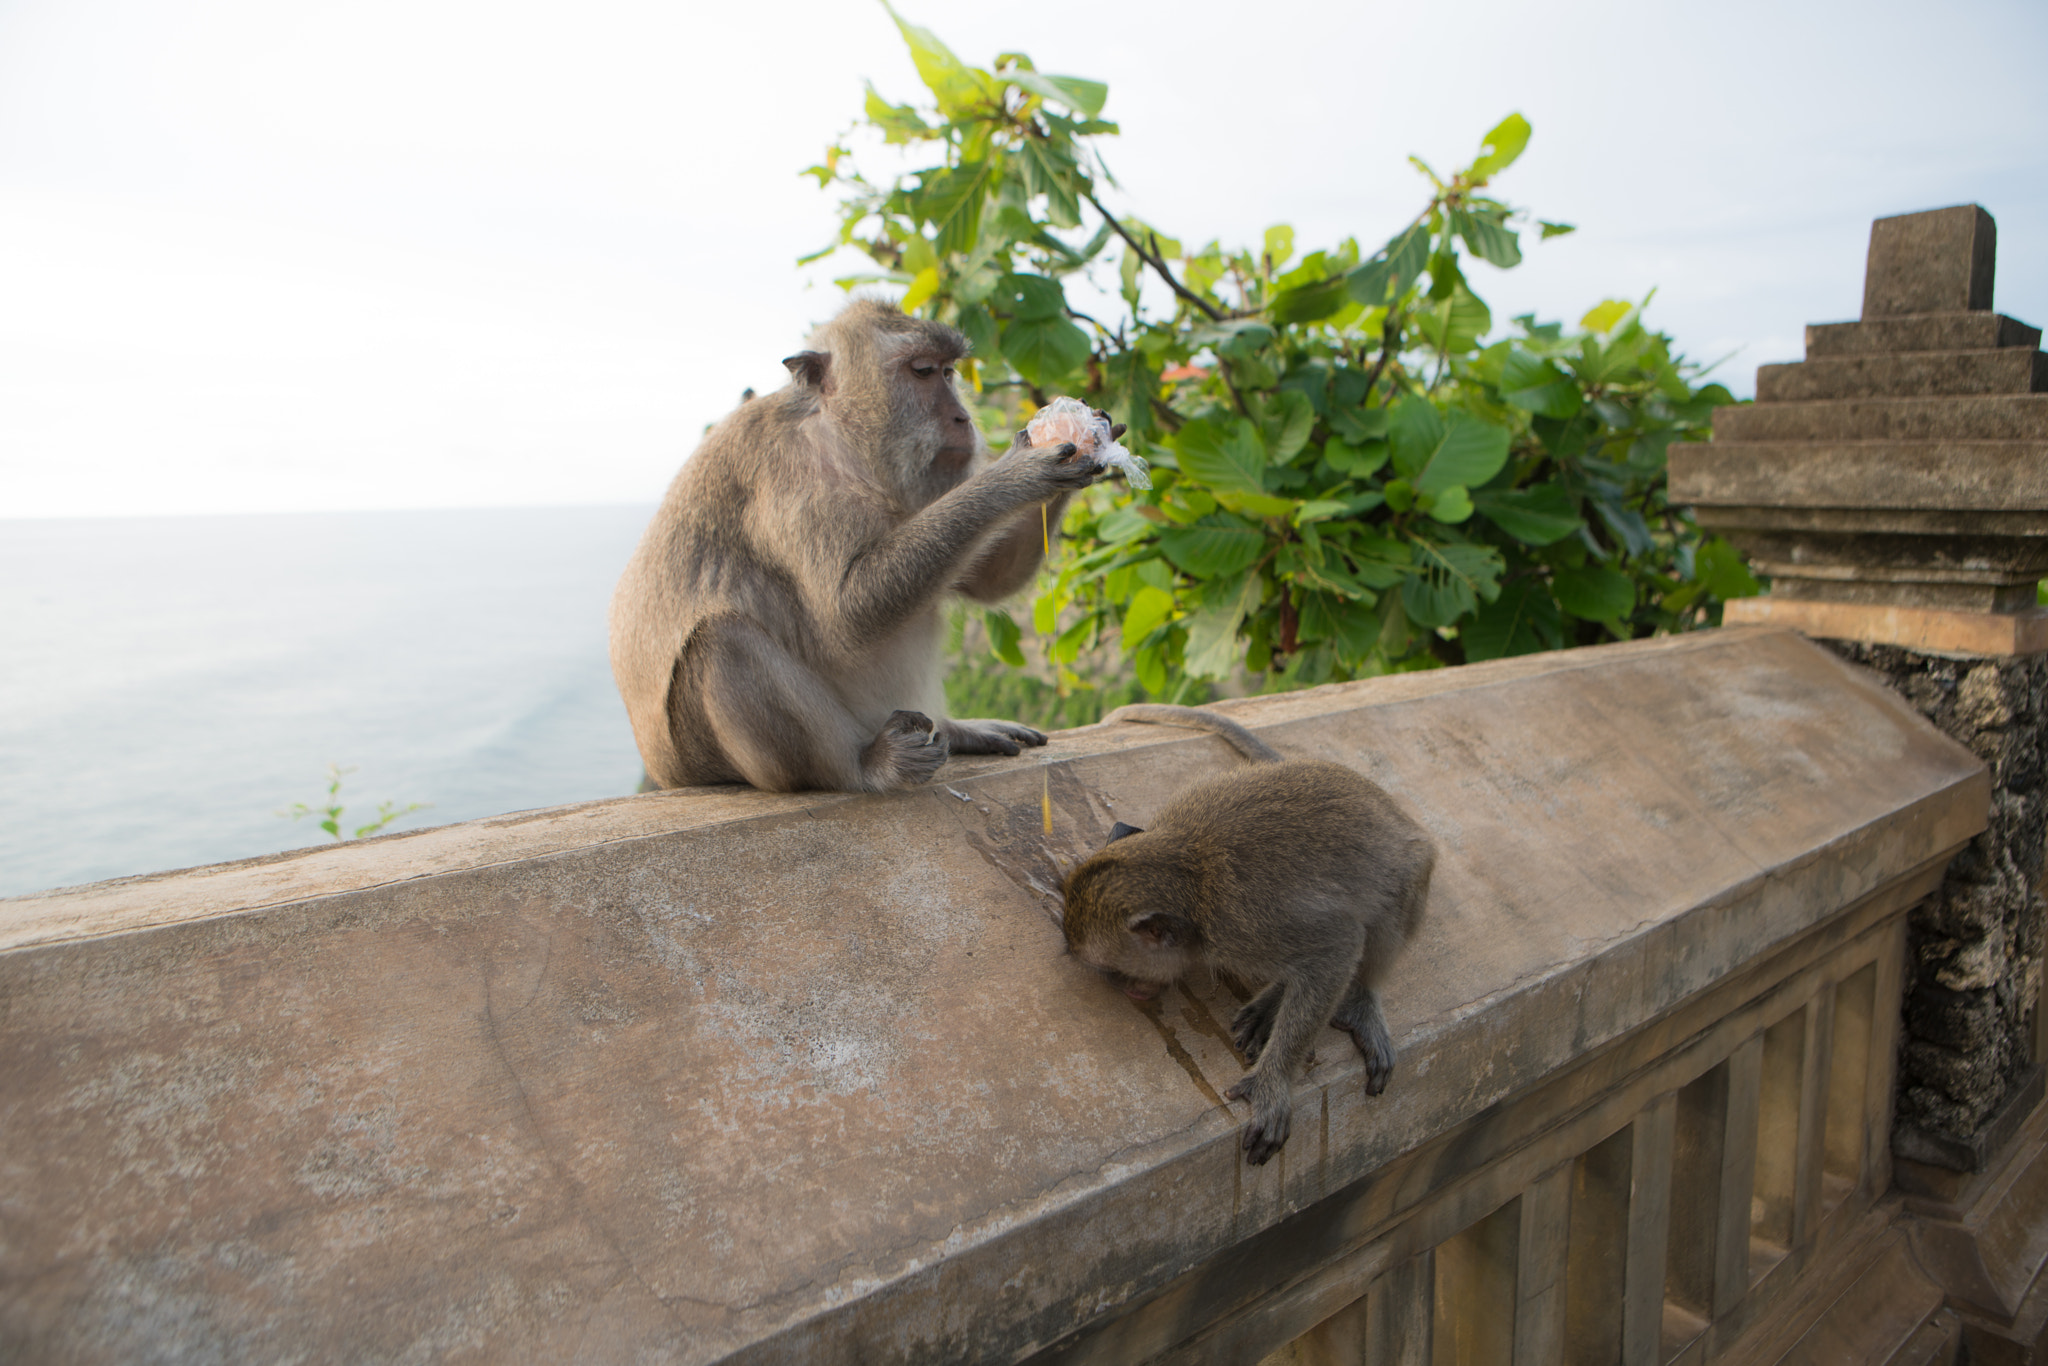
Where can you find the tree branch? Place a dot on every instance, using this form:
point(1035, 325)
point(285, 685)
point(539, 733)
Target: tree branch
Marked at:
point(1390, 336)
point(1151, 259)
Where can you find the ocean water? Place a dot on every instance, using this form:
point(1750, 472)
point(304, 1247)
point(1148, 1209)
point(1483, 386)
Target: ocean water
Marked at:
point(168, 684)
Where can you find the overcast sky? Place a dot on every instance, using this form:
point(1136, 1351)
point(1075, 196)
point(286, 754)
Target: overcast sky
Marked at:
point(262, 256)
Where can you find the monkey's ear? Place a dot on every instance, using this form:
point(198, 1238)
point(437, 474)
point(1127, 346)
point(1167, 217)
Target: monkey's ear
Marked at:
point(808, 368)
point(1119, 830)
point(1158, 929)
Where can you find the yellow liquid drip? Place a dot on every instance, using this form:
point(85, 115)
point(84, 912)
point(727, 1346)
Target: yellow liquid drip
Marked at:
point(1045, 799)
point(1044, 529)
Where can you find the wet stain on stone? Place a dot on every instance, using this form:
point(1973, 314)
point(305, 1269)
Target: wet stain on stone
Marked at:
point(1323, 1150)
point(1154, 1012)
point(1198, 1017)
point(1014, 841)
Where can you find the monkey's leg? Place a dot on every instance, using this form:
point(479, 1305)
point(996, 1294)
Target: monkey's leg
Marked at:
point(782, 730)
point(989, 737)
point(1359, 1016)
point(1308, 999)
point(1253, 1023)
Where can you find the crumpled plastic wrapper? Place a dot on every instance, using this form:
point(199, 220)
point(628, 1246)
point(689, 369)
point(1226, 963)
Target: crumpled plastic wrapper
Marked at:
point(1069, 419)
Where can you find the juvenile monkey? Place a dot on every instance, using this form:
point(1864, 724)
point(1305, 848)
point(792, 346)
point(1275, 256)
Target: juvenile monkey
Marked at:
point(1299, 874)
point(779, 623)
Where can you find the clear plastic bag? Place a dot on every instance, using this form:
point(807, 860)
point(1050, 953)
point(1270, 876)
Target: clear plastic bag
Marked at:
point(1069, 419)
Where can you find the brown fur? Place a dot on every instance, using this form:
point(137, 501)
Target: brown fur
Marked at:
point(1301, 875)
point(779, 623)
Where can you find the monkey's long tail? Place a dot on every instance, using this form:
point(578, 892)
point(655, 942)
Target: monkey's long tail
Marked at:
point(1160, 714)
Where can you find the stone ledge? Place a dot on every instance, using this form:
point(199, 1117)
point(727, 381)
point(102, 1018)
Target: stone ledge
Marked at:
point(1925, 374)
point(809, 1078)
point(1952, 475)
point(1916, 628)
point(1921, 332)
point(1982, 417)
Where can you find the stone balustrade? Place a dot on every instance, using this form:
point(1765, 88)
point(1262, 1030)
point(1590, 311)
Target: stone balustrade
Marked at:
point(723, 1076)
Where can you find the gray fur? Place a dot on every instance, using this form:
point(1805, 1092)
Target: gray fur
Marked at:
point(1302, 875)
point(779, 623)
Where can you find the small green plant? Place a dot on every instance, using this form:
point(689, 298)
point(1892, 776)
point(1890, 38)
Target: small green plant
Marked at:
point(387, 812)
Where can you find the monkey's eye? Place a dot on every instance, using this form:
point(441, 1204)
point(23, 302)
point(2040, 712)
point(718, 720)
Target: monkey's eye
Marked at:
point(923, 371)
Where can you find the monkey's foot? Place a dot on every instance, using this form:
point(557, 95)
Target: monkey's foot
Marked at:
point(908, 752)
point(989, 737)
point(1253, 1023)
point(1272, 1115)
point(1368, 1029)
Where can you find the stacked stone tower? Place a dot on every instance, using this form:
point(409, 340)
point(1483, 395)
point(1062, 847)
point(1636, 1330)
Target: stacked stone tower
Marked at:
point(1894, 486)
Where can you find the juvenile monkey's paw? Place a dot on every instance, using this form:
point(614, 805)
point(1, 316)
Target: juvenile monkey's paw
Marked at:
point(1253, 1024)
point(990, 737)
point(908, 752)
point(1272, 1116)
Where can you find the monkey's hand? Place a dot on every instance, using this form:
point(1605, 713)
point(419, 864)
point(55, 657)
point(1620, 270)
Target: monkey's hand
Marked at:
point(989, 737)
point(1272, 1104)
point(1253, 1023)
point(1057, 469)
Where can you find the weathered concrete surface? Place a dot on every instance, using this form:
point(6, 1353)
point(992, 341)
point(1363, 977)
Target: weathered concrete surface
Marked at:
point(807, 1079)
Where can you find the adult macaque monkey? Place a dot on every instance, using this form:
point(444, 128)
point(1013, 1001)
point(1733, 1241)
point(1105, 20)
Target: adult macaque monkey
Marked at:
point(780, 623)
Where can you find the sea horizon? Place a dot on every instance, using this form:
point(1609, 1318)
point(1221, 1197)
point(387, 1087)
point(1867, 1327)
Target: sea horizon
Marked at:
point(169, 684)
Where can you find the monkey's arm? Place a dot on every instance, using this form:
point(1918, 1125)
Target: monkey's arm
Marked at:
point(1015, 555)
point(894, 577)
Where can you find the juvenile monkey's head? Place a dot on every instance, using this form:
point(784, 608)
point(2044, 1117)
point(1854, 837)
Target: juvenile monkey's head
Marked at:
point(1128, 913)
point(887, 382)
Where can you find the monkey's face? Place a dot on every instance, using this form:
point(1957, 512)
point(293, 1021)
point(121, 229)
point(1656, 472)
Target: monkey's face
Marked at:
point(929, 410)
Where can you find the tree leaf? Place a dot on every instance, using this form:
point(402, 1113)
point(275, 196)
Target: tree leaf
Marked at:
point(921, 288)
point(1452, 506)
point(1217, 546)
point(1279, 245)
point(1455, 325)
point(1212, 632)
point(1539, 515)
point(1290, 417)
point(952, 200)
point(899, 122)
point(1448, 581)
point(1536, 385)
point(1490, 238)
point(1003, 636)
point(1604, 316)
point(1551, 230)
point(1082, 96)
point(1045, 350)
point(1719, 566)
point(1123, 524)
point(1357, 461)
point(1523, 620)
point(1433, 452)
point(949, 79)
point(1392, 269)
point(1501, 147)
point(1594, 592)
point(1232, 458)
point(1146, 609)
point(1029, 298)
point(1310, 303)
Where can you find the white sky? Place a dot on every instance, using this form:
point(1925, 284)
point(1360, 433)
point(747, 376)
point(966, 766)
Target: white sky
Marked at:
point(261, 256)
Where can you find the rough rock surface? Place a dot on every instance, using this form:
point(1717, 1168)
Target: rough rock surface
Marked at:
point(1977, 944)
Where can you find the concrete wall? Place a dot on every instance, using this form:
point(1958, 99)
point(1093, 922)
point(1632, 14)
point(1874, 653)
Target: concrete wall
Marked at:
point(718, 1075)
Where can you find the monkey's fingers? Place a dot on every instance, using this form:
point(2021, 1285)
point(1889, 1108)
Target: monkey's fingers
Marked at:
point(1116, 430)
